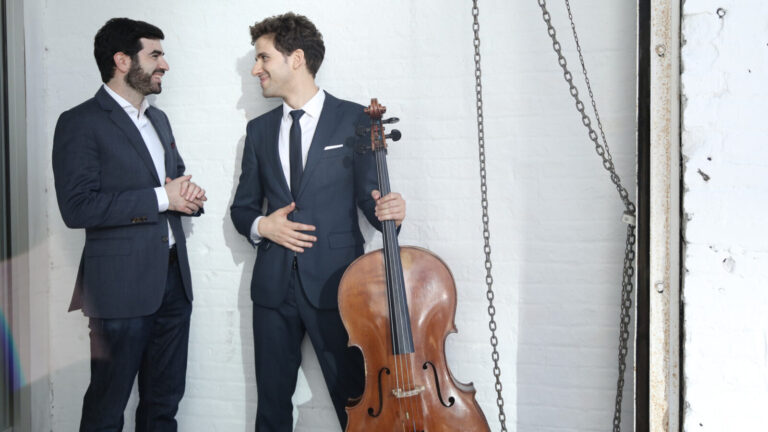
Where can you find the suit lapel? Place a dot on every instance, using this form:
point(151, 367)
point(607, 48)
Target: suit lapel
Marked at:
point(165, 139)
point(121, 119)
point(326, 124)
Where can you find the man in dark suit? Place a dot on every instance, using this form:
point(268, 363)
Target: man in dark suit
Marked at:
point(119, 175)
point(296, 159)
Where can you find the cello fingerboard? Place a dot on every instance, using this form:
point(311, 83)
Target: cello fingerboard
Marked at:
point(399, 317)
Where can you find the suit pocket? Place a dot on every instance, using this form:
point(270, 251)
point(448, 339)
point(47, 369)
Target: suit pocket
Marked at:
point(106, 247)
point(336, 167)
point(342, 240)
point(332, 151)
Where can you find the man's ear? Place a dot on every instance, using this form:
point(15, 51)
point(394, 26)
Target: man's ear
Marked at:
point(122, 62)
point(297, 58)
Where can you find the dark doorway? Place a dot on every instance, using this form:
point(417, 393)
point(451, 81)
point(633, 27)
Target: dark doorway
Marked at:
point(643, 200)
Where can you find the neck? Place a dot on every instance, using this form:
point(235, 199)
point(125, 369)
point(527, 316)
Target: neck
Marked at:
point(303, 92)
point(118, 85)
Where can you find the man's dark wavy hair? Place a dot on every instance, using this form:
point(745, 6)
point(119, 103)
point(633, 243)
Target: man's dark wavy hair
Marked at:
point(291, 32)
point(120, 35)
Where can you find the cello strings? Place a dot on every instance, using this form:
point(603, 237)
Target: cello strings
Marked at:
point(384, 188)
point(399, 292)
point(388, 228)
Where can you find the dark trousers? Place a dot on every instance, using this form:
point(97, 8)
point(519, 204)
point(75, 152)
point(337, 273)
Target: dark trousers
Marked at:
point(277, 337)
point(155, 347)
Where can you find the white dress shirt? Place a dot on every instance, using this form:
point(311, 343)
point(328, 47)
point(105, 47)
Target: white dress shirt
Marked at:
point(312, 110)
point(155, 147)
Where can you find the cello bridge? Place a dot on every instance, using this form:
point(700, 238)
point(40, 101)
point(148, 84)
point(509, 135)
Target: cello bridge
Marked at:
point(399, 393)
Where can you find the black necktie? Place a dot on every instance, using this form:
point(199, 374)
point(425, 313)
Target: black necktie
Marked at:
point(295, 152)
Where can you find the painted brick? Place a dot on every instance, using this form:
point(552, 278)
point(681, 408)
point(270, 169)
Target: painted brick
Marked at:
point(724, 60)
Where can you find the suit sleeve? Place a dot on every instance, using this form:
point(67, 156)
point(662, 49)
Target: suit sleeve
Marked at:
point(77, 174)
point(249, 196)
point(180, 168)
point(366, 179)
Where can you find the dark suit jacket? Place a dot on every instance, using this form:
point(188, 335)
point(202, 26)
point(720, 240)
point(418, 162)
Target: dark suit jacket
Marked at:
point(105, 182)
point(334, 183)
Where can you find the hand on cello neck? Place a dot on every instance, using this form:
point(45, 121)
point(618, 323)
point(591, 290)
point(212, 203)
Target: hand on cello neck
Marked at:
point(389, 207)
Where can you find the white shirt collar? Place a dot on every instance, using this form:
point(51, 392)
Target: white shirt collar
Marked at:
point(127, 106)
point(313, 107)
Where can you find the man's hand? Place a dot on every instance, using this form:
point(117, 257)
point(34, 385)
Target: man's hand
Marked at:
point(190, 191)
point(176, 190)
point(390, 207)
point(277, 228)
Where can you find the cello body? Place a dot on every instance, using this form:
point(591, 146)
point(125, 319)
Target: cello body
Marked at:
point(398, 306)
point(445, 404)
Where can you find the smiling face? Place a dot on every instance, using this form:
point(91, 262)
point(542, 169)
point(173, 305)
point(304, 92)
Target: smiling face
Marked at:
point(272, 68)
point(147, 68)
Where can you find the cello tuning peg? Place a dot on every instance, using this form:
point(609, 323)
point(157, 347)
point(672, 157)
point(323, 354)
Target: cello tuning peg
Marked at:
point(362, 130)
point(390, 120)
point(395, 135)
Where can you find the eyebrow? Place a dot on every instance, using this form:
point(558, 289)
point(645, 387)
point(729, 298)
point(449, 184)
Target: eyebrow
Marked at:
point(157, 52)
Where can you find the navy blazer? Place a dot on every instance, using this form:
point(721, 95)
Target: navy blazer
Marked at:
point(105, 180)
point(335, 182)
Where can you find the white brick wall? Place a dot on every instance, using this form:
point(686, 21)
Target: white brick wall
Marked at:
point(555, 218)
point(724, 63)
point(566, 240)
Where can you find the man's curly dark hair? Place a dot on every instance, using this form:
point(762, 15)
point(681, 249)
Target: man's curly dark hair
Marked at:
point(291, 32)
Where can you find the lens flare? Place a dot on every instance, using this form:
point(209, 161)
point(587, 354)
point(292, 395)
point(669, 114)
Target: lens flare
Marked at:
point(10, 355)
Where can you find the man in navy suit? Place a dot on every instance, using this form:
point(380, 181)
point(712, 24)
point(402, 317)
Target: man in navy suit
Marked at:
point(119, 175)
point(295, 159)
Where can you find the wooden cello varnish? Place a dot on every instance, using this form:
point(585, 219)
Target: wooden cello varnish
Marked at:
point(398, 305)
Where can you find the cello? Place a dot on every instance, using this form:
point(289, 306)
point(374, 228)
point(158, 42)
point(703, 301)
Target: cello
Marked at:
point(398, 306)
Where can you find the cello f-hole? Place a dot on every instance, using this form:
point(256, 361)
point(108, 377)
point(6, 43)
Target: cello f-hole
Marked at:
point(381, 399)
point(451, 399)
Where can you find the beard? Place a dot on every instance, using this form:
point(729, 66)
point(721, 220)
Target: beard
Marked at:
point(141, 81)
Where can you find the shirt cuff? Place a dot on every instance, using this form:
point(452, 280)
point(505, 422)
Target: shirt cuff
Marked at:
point(255, 235)
point(162, 199)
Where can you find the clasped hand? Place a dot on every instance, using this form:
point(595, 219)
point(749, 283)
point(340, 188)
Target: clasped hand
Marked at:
point(183, 195)
point(292, 235)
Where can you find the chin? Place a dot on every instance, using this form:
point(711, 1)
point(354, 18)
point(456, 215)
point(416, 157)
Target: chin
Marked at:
point(270, 93)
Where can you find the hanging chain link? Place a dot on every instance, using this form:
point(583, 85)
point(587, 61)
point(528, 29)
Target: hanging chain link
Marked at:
point(627, 282)
point(486, 233)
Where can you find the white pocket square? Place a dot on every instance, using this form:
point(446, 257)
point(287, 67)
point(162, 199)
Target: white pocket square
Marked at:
point(332, 147)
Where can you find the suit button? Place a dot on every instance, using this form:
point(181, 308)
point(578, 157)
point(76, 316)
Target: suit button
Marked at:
point(164, 239)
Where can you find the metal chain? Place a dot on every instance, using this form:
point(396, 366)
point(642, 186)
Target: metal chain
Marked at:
point(627, 283)
point(586, 80)
point(486, 233)
point(585, 119)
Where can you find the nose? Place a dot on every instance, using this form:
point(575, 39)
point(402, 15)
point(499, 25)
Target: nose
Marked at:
point(163, 64)
point(256, 68)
